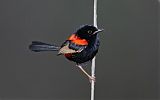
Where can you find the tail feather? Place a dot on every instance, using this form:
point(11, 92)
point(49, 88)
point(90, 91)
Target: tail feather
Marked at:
point(37, 46)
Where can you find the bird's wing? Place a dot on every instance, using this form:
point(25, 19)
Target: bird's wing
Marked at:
point(69, 47)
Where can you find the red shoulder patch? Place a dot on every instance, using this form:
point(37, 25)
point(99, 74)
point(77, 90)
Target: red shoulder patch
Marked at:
point(72, 37)
point(68, 55)
point(77, 40)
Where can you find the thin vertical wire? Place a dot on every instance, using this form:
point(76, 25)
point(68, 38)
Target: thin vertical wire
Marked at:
point(93, 75)
point(94, 59)
point(95, 13)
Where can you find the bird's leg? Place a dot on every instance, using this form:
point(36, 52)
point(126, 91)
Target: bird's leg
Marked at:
point(89, 76)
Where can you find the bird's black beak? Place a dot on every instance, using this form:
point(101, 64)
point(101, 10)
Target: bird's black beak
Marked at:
point(99, 30)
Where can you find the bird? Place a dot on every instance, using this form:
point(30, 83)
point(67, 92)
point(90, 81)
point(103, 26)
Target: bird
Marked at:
point(80, 47)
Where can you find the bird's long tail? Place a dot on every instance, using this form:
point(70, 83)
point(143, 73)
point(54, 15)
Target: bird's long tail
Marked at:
point(37, 46)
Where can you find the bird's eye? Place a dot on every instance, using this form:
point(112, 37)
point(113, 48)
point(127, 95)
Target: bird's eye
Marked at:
point(89, 32)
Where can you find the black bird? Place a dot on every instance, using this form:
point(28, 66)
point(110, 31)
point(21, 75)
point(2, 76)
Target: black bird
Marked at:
point(80, 47)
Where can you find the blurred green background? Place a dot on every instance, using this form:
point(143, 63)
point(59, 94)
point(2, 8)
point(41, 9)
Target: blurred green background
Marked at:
point(126, 65)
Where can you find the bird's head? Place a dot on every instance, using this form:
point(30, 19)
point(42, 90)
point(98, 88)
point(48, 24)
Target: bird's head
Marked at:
point(87, 31)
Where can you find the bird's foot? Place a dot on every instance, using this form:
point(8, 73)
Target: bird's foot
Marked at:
point(92, 79)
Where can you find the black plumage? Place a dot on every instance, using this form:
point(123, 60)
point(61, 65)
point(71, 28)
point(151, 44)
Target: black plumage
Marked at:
point(80, 47)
